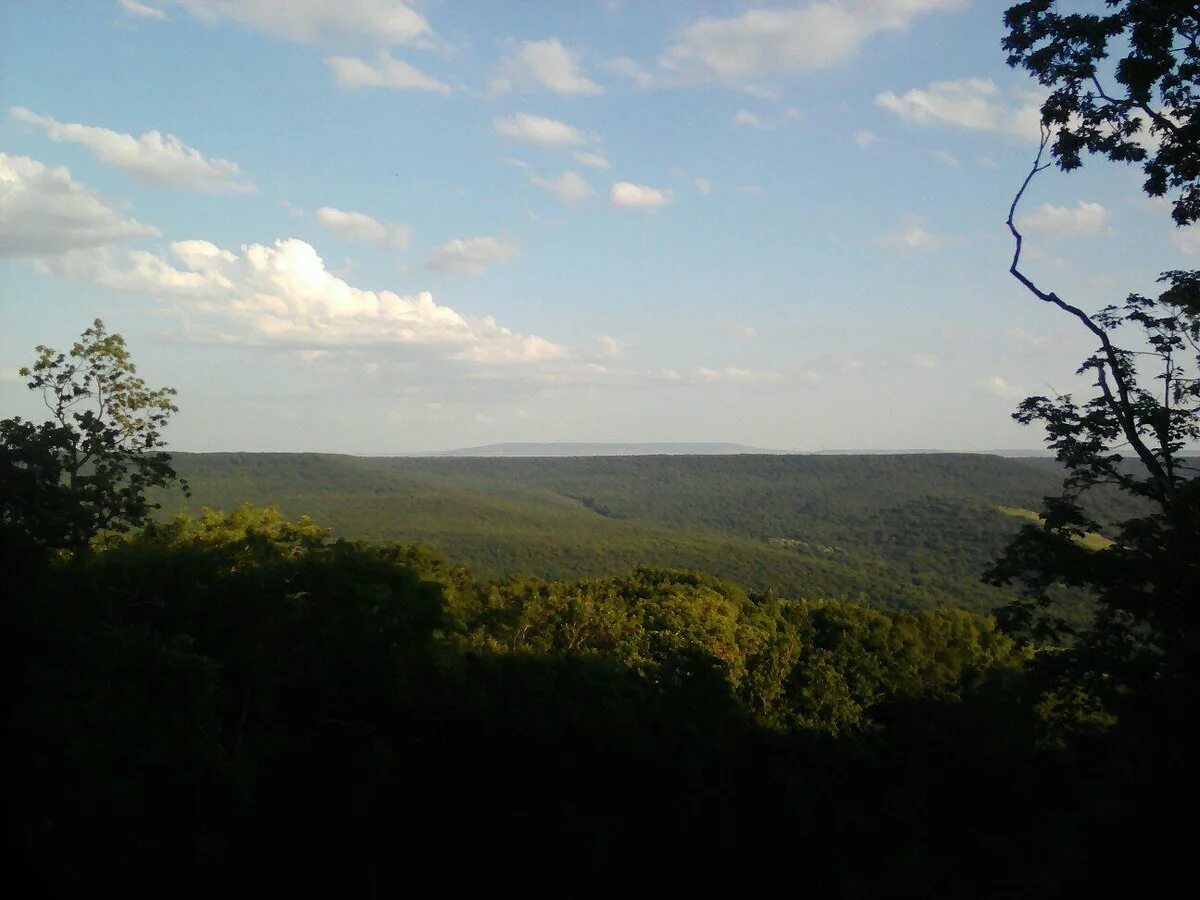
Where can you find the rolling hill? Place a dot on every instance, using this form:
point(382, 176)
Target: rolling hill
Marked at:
point(904, 531)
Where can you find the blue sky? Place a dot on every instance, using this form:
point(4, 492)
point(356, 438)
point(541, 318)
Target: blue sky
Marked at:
point(373, 227)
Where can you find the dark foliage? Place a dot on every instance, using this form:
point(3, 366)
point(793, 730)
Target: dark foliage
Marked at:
point(238, 704)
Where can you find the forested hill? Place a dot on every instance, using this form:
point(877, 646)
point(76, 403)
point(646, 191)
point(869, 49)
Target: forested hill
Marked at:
point(894, 531)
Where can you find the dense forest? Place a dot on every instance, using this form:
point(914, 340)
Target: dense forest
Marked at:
point(903, 532)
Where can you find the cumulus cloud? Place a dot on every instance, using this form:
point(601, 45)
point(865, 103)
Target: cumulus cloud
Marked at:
point(911, 238)
point(163, 161)
point(141, 10)
point(631, 69)
point(527, 129)
point(974, 103)
point(592, 160)
point(864, 139)
point(356, 226)
point(472, 256)
point(44, 213)
point(608, 347)
point(283, 295)
point(385, 72)
point(315, 21)
point(568, 187)
point(638, 196)
point(1002, 388)
point(760, 42)
point(546, 65)
point(1061, 221)
point(703, 186)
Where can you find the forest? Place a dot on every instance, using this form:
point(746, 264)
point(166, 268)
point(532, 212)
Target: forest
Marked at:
point(925, 675)
point(910, 532)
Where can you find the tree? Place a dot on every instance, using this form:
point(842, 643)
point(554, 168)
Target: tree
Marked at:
point(87, 469)
point(1146, 636)
point(1151, 119)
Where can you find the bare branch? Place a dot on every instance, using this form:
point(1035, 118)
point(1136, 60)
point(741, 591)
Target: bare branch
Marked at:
point(1120, 404)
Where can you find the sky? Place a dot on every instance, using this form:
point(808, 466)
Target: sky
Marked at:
point(378, 227)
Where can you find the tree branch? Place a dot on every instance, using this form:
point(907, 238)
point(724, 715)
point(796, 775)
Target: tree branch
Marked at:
point(1120, 404)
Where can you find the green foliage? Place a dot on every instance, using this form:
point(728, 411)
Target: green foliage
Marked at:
point(1152, 115)
point(791, 664)
point(237, 693)
point(897, 532)
point(86, 471)
point(1139, 655)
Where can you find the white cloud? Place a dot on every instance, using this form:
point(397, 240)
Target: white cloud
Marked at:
point(752, 120)
point(283, 295)
point(135, 8)
point(44, 213)
point(152, 158)
point(1186, 240)
point(356, 226)
point(761, 42)
point(924, 361)
point(734, 374)
point(311, 21)
point(528, 129)
point(592, 160)
point(1060, 221)
point(1002, 388)
point(948, 159)
point(638, 196)
point(542, 64)
point(974, 103)
point(386, 72)
point(912, 237)
point(631, 69)
point(472, 256)
point(747, 118)
point(864, 139)
point(608, 347)
point(703, 185)
point(567, 187)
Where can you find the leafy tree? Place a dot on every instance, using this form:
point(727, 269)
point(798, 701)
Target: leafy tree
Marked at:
point(1151, 117)
point(87, 469)
point(1146, 636)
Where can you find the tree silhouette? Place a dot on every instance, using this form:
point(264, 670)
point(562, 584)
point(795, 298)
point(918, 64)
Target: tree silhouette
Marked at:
point(1145, 631)
point(87, 469)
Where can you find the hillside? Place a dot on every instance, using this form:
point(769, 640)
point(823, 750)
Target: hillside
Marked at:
point(911, 531)
point(575, 448)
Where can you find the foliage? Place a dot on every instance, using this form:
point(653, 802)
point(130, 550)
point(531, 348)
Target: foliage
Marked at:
point(896, 532)
point(86, 471)
point(1151, 119)
point(235, 694)
point(1141, 653)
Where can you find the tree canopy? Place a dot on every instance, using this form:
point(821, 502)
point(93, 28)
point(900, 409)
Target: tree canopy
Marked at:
point(1141, 107)
point(87, 469)
point(1136, 432)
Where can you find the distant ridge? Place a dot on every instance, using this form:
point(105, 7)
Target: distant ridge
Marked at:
point(571, 448)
